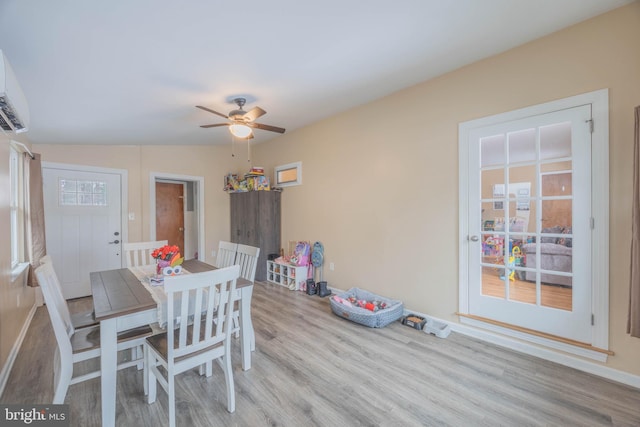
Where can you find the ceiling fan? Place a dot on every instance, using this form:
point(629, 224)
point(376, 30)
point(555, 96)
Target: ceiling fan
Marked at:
point(242, 122)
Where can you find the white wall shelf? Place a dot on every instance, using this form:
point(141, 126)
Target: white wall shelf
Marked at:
point(290, 276)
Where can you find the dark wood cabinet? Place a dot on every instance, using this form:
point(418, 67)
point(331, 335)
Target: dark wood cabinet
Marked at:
point(255, 221)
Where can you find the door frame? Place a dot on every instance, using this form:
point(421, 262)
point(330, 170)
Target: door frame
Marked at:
point(124, 191)
point(198, 182)
point(599, 101)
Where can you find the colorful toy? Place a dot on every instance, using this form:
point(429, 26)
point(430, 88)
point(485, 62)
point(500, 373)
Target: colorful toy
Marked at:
point(367, 305)
point(511, 272)
point(517, 254)
point(342, 301)
point(301, 254)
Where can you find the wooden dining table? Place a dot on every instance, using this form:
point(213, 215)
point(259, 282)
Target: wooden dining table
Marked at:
point(122, 302)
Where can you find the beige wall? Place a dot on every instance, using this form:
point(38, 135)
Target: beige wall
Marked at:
point(212, 163)
point(16, 299)
point(380, 182)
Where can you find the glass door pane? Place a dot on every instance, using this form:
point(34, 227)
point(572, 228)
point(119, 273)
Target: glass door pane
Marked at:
point(526, 181)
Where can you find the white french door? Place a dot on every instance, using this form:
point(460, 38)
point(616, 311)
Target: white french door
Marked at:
point(529, 220)
point(83, 225)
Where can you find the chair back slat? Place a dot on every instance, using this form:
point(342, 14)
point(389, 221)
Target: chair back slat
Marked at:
point(56, 287)
point(226, 254)
point(139, 253)
point(57, 308)
point(197, 314)
point(184, 317)
point(201, 289)
point(224, 318)
point(247, 259)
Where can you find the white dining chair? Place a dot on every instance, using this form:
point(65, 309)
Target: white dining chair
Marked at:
point(197, 342)
point(80, 319)
point(77, 345)
point(247, 259)
point(226, 254)
point(138, 254)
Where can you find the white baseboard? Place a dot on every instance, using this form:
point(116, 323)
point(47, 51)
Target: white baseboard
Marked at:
point(541, 352)
point(6, 369)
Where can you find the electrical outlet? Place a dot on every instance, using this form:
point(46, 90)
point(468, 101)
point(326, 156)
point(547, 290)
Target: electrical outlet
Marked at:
point(332, 266)
point(213, 253)
point(132, 216)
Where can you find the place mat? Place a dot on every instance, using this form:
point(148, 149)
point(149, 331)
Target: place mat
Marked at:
point(145, 273)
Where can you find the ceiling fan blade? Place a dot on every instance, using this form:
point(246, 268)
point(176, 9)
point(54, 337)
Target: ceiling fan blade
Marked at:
point(211, 111)
point(216, 125)
point(266, 127)
point(253, 114)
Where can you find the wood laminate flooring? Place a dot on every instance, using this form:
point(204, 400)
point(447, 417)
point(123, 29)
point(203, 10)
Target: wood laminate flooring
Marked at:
point(523, 291)
point(312, 368)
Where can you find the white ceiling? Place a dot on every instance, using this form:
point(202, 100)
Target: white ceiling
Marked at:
point(131, 71)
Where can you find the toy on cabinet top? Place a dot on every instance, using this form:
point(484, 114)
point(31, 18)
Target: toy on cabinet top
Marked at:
point(255, 180)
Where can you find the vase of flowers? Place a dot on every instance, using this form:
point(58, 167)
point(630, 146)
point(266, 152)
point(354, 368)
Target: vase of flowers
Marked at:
point(168, 260)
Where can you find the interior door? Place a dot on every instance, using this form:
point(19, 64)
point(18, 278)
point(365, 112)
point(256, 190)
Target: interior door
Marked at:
point(170, 213)
point(83, 225)
point(527, 223)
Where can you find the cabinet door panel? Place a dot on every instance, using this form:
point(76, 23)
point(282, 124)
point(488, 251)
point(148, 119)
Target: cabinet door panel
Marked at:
point(255, 221)
point(234, 204)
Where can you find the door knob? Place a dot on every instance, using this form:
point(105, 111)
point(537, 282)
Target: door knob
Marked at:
point(181, 229)
point(115, 242)
point(473, 238)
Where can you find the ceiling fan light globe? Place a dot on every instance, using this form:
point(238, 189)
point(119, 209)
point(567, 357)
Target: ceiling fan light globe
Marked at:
point(239, 130)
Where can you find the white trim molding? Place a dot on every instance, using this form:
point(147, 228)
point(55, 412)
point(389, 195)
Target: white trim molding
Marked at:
point(199, 180)
point(297, 166)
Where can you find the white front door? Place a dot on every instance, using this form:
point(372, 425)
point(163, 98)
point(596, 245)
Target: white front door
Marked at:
point(83, 225)
point(529, 219)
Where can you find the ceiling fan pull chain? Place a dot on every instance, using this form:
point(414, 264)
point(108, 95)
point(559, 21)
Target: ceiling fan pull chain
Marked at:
point(248, 150)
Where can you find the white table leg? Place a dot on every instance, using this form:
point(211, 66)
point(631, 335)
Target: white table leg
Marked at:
point(109, 368)
point(247, 338)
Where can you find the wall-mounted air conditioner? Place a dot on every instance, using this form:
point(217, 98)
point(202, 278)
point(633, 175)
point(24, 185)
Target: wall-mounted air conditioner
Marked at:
point(14, 112)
